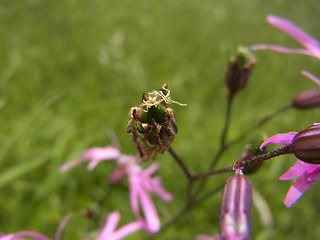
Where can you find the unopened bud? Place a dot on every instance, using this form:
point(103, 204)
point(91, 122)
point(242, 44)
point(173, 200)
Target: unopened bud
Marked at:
point(235, 215)
point(307, 99)
point(153, 125)
point(306, 145)
point(88, 212)
point(238, 70)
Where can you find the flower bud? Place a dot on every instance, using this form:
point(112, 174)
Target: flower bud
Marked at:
point(306, 145)
point(238, 70)
point(88, 212)
point(307, 99)
point(153, 125)
point(235, 215)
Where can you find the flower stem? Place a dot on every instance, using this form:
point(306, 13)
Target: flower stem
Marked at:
point(181, 163)
point(226, 122)
point(212, 172)
point(280, 151)
point(191, 177)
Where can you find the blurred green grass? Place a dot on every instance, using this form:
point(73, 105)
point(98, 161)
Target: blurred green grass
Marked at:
point(70, 71)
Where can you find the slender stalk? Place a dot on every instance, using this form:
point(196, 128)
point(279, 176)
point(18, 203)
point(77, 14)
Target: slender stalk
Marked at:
point(216, 158)
point(181, 163)
point(212, 172)
point(213, 163)
point(272, 115)
point(259, 124)
point(226, 122)
point(280, 151)
point(192, 176)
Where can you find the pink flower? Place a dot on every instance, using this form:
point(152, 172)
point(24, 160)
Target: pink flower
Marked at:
point(140, 181)
point(312, 46)
point(307, 173)
point(141, 184)
point(109, 232)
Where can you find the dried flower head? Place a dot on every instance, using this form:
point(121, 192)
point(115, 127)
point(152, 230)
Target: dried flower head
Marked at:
point(153, 125)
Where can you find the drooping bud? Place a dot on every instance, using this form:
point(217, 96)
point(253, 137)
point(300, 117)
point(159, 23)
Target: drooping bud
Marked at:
point(88, 212)
point(235, 215)
point(306, 145)
point(153, 125)
point(238, 70)
point(307, 99)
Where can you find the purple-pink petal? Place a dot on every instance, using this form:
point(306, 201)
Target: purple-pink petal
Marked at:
point(312, 174)
point(141, 185)
point(125, 231)
point(151, 169)
point(61, 227)
point(110, 225)
point(139, 194)
point(134, 192)
point(99, 154)
point(311, 76)
point(20, 235)
point(280, 49)
point(159, 190)
point(297, 170)
point(296, 191)
point(279, 139)
point(154, 185)
point(152, 221)
point(296, 33)
point(109, 231)
point(96, 155)
point(307, 173)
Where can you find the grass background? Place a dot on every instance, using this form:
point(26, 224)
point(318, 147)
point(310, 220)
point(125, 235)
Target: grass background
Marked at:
point(70, 71)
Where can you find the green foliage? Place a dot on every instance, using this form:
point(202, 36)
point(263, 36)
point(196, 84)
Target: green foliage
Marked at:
point(71, 70)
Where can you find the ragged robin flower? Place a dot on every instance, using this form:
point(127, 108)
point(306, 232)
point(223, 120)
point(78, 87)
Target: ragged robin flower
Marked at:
point(141, 183)
point(306, 147)
point(153, 125)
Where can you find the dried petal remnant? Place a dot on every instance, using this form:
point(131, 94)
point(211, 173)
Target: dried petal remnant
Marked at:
point(153, 125)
